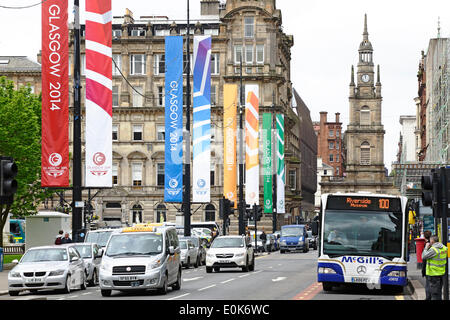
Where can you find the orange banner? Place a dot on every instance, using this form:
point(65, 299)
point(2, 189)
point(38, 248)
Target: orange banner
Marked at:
point(229, 134)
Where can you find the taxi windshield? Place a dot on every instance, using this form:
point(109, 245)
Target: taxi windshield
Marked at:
point(41, 255)
point(371, 233)
point(139, 244)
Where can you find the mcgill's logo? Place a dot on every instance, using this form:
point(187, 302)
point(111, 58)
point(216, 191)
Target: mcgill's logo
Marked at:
point(368, 260)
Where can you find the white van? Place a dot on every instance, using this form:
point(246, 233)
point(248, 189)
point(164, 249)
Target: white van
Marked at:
point(141, 257)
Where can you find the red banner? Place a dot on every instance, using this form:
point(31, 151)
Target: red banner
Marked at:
point(55, 94)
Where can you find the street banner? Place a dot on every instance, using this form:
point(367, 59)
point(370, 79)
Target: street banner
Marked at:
point(281, 173)
point(252, 144)
point(230, 97)
point(173, 190)
point(201, 189)
point(55, 94)
point(98, 93)
point(267, 162)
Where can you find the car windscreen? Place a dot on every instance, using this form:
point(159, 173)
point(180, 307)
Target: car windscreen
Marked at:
point(85, 251)
point(139, 244)
point(373, 233)
point(100, 238)
point(291, 232)
point(40, 255)
point(228, 243)
point(183, 245)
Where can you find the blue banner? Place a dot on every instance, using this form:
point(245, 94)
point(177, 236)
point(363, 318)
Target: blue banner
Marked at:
point(173, 190)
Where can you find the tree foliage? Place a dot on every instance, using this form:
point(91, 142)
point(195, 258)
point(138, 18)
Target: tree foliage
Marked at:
point(20, 138)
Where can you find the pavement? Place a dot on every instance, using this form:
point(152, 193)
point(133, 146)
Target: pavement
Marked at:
point(416, 283)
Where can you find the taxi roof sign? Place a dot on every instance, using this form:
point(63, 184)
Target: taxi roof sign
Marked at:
point(142, 228)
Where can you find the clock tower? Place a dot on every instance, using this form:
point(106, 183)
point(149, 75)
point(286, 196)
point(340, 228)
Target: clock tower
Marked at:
point(364, 138)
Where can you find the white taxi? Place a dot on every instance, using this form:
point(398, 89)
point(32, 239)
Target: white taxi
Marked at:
point(230, 252)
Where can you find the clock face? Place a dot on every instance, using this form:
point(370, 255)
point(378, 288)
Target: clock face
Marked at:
point(365, 78)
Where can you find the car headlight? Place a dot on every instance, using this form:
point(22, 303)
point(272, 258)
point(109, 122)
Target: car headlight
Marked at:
point(283, 242)
point(240, 254)
point(210, 255)
point(14, 274)
point(326, 270)
point(400, 274)
point(56, 273)
point(156, 264)
point(105, 266)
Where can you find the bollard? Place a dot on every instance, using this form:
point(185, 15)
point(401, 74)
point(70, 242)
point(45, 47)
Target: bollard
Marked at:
point(420, 245)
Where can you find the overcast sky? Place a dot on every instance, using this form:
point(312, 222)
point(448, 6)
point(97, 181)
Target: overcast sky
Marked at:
point(326, 34)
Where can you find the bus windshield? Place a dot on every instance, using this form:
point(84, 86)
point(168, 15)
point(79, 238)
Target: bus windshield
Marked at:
point(368, 233)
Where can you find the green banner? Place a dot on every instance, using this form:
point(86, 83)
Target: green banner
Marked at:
point(267, 162)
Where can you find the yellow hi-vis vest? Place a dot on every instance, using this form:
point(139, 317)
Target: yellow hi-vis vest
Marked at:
point(436, 265)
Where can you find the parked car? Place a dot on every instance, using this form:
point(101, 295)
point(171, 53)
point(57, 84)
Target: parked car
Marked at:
point(230, 252)
point(92, 257)
point(272, 243)
point(201, 252)
point(100, 236)
point(259, 244)
point(48, 267)
point(312, 240)
point(189, 253)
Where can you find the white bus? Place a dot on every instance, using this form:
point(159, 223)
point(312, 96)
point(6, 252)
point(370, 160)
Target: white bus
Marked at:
point(363, 239)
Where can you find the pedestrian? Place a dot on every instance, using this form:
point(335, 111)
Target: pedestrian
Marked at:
point(427, 236)
point(66, 239)
point(59, 237)
point(435, 254)
point(263, 238)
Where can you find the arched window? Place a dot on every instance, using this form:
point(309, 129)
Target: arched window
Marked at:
point(137, 213)
point(365, 154)
point(365, 116)
point(161, 213)
point(210, 213)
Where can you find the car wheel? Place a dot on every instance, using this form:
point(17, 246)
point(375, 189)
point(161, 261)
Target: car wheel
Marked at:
point(105, 293)
point(67, 287)
point(94, 282)
point(188, 264)
point(83, 285)
point(163, 289)
point(252, 266)
point(209, 269)
point(177, 285)
point(216, 269)
point(14, 293)
point(245, 268)
point(197, 262)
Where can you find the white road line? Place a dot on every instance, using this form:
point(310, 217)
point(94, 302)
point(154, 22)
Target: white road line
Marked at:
point(244, 275)
point(229, 280)
point(279, 279)
point(192, 279)
point(177, 297)
point(208, 287)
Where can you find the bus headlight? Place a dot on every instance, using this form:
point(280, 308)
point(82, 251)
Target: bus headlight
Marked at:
point(400, 274)
point(326, 270)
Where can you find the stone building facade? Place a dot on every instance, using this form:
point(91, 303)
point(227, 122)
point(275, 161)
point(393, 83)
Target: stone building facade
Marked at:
point(247, 30)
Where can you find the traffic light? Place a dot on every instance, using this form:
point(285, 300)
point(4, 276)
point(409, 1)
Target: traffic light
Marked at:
point(226, 208)
point(257, 211)
point(432, 192)
point(248, 212)
point(8, 185)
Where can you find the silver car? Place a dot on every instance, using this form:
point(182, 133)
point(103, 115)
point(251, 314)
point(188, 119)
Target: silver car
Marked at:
point(92, 257)
point(49, 267)
point(189, 253)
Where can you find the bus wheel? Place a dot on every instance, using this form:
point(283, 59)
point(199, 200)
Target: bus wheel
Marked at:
point(327, 286)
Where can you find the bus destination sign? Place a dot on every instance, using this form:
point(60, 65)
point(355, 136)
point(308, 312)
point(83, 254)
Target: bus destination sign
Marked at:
point(363, 203)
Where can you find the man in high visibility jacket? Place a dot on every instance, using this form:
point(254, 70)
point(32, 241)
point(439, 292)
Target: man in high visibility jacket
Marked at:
point(435, 254)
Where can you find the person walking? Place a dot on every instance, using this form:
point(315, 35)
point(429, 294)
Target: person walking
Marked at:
point(435, 254)
point(59, 237)
point(263, 238)
point(427, 235)
point(66, 239)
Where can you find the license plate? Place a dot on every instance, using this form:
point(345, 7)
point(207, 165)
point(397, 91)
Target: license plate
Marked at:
point(128, 278)
point(360, 280)
point(224, 261)
point(34, 280)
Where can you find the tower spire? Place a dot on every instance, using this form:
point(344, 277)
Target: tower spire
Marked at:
point(352, 82)
point(366, 33)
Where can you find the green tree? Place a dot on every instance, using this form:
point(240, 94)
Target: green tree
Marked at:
point(20, 138)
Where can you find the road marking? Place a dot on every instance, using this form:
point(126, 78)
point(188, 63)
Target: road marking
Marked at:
point(400, 297)
point(177, 297)
point(279, 279)
point(192, 279)
point(244, 275)
point(85, 294)
point(309, 293)
point(229, 280)
point(208, 287)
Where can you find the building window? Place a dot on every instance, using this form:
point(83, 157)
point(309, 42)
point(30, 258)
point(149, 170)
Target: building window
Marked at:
point(211, 32)
point(237, 54)
point(337, 157)
point(115, 132)
point(161, 133)
point(159, 64)
point(137, 64)
point(249, 27)
point(117, 33)
point(213, 95)
point(160, 175)
point(210, 213)
point(365, 116)
point(331, 145)
point(162, 32)
point(365, 154)
point(337, 171)
point(138, 93)
point(212, 176)
point(136, 172)
point(137, 132)
point(115, 174)
point(293, 179)
point(137, 213)
point(115, 96)
point(117, 64)
point(215, 60)
point(331, 133)
point(161, 213)
point(259, 53)
point(331, 158)
point(249, 54)
point(160, 96)
point(139, 32)
point(337, 145)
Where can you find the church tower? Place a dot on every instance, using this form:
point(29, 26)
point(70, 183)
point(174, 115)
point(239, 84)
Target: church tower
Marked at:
point(365, 131)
